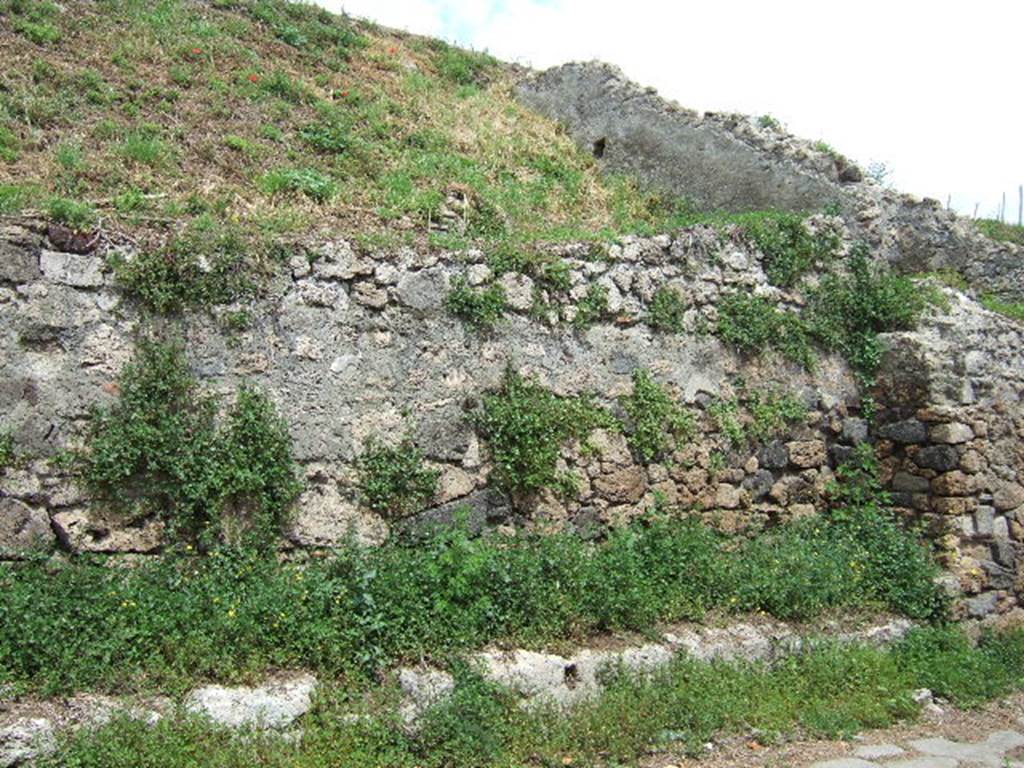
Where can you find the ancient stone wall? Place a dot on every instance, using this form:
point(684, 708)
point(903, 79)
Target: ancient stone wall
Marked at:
point(952, 435)
point(737, 163)
point(353, 345)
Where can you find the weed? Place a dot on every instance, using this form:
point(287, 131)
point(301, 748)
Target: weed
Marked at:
point(75, 214)
point(329, 137)
point(14, 197)
point(1011, 309)
point(145, 148)
point(158, 450)
point(7, 455)
point(667, 310)
point(460, 66)
point(480, 308)
point(997, 230)
point(9, 144)
point(789, 248)
point(306, 181)
point(204, 266)
point(753, 324)
point(592, 308)
point(769, 122)
point(525, 426)
point(34, 19)
point(393, 480)
point(656, 421)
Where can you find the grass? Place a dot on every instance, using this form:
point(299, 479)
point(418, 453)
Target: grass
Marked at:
point(830, 691)
point(997, 230)
point(1011, 309)
point(229, 615)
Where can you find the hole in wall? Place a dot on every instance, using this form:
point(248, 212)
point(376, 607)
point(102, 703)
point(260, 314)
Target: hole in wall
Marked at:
point(599, 147)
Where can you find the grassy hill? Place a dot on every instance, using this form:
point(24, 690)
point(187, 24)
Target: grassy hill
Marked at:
point(277, 119)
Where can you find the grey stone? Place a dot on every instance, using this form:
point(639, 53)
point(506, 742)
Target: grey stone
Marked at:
point(988, 752)
point(876, 751)
point(844, 762)
point(275, 705)
point(23, 529)
point(908, 483)
point(981, 606)
point(1009, 496)
point(773, 455)
point(953, 433)
point(424, 290)
point(758, 484)
point(82, 531)
point(941, 458)
point(909, 431)
point(984, 516)
point(72, 269)
point(24, 740)
point(924, 762)
point(855, 431)
point(19, 256)
point(423, 688)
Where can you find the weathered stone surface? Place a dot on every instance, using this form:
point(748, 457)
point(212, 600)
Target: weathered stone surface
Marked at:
point(276, 705)
point(941, 458)
point(807, 453)
point(423, 688)
point(72, 269)
point(1008, 497)
point(908, 483)
point(855, 431)
point(423, 290)
point(953, 483)
point(81, 531)
point(19, 255)
point(909, 431)
point(24, 740)
point(773, 455)
point(953, 433)
point(23, 529)
point(623, 486)
point(323, 518)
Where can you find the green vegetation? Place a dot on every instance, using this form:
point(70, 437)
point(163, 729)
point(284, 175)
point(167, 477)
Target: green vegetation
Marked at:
point(1012, 309)
point(770, 122)
point(756, 415)
point(592, 308)
point(460, 66)
point(526, 425)
point(997, 230)
point(393, 480)
point(210, 263)
point(174, 619)
point(480, 308)
point(789, 248)
point(7, 455)
point(306, 181)
point(754, 324)
point(34, 19)
point(547, 271)
point(159, 450)
point(666, 311)
point(657, 423)
point(77, 215)
point(832, 691)
point(845, 314)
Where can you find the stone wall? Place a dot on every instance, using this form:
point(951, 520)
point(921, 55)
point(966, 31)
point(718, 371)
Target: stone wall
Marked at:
point(352, 345)
point(952, 436)
point(736, 163)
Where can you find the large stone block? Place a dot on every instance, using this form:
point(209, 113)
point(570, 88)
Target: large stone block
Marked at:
point(23, 529)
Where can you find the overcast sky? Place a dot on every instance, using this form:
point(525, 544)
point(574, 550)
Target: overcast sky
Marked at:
point(931, 89)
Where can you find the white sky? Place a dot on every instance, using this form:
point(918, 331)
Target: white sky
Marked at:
point(932, 89)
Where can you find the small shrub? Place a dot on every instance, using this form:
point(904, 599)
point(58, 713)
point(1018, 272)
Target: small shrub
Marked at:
point(306, 181)
point(7, 454)
point(657, 422)
point(394, 481)
point(769, 122)
point(788, 246)
point(667, 310)
point(158, 450)
point(846, 313)
point(771, 412)
point(206, 265)
point(753, 324)
point(480, 308)
point(283, 86)
point(75, 214)
point(592, 308)
point(525, 426)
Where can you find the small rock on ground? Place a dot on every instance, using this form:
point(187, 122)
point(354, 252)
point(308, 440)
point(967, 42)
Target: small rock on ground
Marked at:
point(275, 705)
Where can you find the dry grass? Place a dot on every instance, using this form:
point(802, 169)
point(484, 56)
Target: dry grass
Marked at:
point(159, 112)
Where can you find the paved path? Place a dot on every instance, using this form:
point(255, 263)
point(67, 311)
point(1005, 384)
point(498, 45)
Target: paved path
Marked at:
point(1001, 749)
